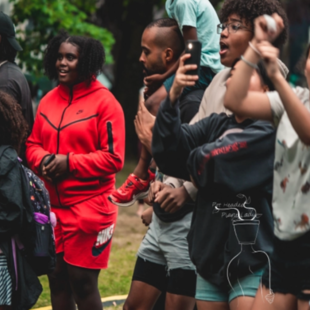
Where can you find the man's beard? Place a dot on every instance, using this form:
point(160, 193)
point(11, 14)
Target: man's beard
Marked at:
point(148, 72)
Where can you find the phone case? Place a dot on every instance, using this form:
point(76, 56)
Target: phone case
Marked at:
point(193, 47)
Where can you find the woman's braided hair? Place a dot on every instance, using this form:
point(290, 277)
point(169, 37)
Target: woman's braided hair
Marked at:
point(13, 127)
point(91, 56)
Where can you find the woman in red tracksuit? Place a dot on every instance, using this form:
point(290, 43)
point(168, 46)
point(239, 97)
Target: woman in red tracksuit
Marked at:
point(83, 125)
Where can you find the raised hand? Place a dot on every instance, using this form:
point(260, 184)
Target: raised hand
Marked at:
point(144, 123)
point(270, 56)
point(152, 83)
point(263, 33)
point(181, 79)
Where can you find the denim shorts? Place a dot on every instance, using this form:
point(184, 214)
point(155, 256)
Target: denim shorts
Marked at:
point(246, 286)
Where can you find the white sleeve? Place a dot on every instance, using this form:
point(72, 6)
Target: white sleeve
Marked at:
point(191, 190)
point(173, 182)
point(276, 106)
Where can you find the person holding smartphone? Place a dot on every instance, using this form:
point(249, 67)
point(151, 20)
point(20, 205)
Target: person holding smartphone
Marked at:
point(77, 145)
point(219, 155)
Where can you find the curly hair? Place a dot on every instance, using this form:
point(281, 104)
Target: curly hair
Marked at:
point(7, 52)
point(251, 9)
point(13, 126)
point(91, 56)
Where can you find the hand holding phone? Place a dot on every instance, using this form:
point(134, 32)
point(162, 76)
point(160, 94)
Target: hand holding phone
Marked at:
point(193, 47)
point(49, 160)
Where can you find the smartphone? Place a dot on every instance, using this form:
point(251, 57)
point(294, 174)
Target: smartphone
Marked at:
point(49, 160)
point(193, 47)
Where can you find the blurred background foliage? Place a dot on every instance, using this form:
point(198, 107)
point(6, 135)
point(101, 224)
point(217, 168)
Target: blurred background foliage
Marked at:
point(42, 19)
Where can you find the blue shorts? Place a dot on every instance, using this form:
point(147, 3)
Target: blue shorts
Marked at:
point(246, 286)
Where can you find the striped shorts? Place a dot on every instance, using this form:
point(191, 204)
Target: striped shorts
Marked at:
point(5, 283)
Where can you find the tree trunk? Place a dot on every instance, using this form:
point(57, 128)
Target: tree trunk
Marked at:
point(127, 21)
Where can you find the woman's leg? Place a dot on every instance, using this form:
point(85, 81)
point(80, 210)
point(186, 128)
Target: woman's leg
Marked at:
point(242, 302)
point(179, 302)
point(84, 285)
point(212, 305)
point(280, 302)
point(142, 296)
point(61, 293)
point(303, 304)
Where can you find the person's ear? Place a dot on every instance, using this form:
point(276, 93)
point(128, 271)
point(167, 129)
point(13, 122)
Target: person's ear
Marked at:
point(169, 55)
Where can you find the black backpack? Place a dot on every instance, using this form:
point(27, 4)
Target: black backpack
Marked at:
point(43, 257)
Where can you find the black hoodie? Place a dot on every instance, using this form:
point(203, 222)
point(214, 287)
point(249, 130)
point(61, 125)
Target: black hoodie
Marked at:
point(232, 165)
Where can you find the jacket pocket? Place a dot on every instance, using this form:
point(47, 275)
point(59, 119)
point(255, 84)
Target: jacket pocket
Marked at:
point(110, 137)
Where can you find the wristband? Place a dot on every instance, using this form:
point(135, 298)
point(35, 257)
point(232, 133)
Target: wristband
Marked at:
point(254, 66)
point(254, 49)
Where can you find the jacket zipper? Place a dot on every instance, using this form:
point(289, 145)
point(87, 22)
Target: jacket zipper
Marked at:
point(58, 135)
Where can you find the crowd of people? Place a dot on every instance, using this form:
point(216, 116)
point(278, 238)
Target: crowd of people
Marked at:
point(223, 165)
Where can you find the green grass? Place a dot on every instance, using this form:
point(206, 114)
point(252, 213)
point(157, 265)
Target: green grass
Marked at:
point(127, 237)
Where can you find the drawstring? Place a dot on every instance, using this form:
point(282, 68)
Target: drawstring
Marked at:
point(15, 262)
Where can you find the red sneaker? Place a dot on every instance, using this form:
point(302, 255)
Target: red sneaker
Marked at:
point(132, 190)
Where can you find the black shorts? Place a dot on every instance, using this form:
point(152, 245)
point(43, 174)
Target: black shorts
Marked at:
point(290, 267)
point(176, 281)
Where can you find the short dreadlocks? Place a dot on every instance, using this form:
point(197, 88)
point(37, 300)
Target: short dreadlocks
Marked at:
point(91, 56)
point(251, 9)
point(13, 127)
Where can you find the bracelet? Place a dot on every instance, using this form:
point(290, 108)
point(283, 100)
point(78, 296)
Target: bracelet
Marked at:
point(254, 49)
point(254, 66)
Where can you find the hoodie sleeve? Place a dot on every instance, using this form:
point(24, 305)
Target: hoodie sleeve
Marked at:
point(239, 161)
point(109, 158)
point(34, 149)
point(173, 142)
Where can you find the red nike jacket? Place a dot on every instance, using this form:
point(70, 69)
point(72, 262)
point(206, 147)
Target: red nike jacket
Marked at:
point(86, 124)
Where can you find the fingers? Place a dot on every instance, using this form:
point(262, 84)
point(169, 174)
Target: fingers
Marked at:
point(268, 52)
point(271, 28)
point(183, 58)
point(160, 198)
point(265, 48)
point(187, 80)
point(279, 22)
point(154, 189)
point(142, 105)
point(50, 166)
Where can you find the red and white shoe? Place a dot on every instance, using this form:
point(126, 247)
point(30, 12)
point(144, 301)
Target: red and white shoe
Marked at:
point(132, 190)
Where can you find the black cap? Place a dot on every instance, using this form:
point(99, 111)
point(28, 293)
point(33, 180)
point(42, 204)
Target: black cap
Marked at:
point(8, 30)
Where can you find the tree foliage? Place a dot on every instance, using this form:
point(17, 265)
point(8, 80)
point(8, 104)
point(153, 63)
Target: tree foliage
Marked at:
point(39, 20)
